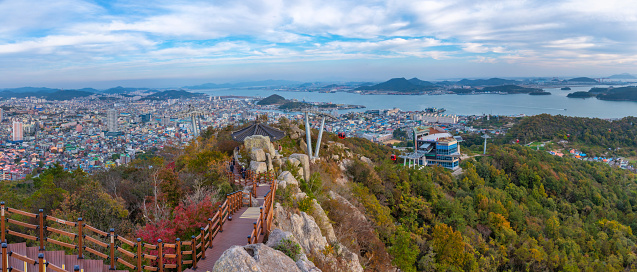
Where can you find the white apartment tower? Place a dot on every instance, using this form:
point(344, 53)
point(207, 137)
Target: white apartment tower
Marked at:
point(17, 131)
point(111, 120)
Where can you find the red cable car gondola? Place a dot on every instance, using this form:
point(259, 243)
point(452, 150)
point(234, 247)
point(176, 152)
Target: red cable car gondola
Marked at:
point(341, 135)
point(393, 157)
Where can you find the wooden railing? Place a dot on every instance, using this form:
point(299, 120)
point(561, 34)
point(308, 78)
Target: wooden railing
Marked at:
point(263, 226)
point(109, 246)
point(135, 255)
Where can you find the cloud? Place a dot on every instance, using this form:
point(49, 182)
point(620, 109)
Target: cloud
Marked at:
point(87, 33)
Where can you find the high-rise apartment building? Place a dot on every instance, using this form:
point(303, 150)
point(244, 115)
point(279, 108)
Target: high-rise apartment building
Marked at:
point(111, 120)
point(17, 131)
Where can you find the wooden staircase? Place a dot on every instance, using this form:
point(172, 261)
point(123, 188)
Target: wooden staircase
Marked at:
point(53, 260)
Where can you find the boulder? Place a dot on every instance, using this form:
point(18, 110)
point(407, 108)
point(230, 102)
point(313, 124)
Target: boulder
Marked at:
point(236, 259)
point(286, 178)
point(258, 167)
point(306, 265)
point(296, 132)
point(303, 227)
point(254, 257)
point(268, 161)
point(305, 163)
point(259, 141)
point(303, 263)
point(276, 235)
point(294, 162)
point(257, 154)
point(307, 232)
point(366, 160)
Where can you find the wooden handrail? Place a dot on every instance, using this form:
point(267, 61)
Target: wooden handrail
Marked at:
point(134, 257)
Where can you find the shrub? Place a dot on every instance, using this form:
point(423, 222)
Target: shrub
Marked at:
point(290, 248)
point(305, 205)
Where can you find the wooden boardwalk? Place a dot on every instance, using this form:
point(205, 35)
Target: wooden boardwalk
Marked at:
point(235, 232)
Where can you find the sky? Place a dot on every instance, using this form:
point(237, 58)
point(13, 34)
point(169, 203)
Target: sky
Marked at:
point(155, 43)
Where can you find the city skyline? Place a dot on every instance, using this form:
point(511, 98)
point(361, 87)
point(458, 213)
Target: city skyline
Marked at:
point(76, 43)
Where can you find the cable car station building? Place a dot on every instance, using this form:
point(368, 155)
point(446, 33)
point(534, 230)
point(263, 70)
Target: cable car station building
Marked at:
point(434, 146)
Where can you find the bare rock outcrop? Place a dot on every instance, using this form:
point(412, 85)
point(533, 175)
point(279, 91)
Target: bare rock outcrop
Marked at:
point(259, 141)
point(258, 167)
point(254, 257)
point(257, 154)
point(305, 164)
point(285, 179)
point(313, 243)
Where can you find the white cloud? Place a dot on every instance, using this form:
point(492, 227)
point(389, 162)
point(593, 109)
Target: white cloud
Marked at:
point(577, 32)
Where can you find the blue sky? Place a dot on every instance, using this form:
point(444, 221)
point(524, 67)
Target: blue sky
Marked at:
point(73, 43)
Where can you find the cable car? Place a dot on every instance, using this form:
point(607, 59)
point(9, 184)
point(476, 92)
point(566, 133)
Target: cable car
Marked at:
point(341, 135)
point(393, 157)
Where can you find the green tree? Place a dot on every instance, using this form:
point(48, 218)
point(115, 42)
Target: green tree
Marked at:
point(404, 250)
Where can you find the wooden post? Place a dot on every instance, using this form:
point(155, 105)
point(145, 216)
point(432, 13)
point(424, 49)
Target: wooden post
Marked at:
point(178, 249)
point(5, 262)
point(160, 246)
point(256, 233)
point(194, 252)
point(261, 219)
point(112, 246)
point(80, 238)
point(229, 201)
point(139, 256)
point(203, 244)
point(41, 262)
point(249, 239)
point(41, 228)
point(2, 223)
point(210, 232)
point(220, 219)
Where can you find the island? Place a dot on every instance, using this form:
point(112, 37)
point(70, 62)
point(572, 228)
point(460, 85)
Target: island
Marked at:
point(565, 88)
point(540, 92)
point(274, 99)
point(581, 95)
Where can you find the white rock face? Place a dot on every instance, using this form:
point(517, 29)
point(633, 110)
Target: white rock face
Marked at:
point(254, 257)
point(268, 161)
point(323, 222)
point(257, 154)
point(259, 141)
point(308, 233)
point(305, 163)
point(258, 167)
point(294, 162)
point(296, 132)
point(286, 178)
point(366, 160)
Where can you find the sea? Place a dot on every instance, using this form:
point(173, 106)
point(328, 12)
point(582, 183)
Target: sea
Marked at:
point(480, 104)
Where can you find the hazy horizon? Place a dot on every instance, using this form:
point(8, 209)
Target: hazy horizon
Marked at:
point(133, 43)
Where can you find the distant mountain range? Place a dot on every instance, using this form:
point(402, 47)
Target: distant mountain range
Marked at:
point(47, 94)
point(486, 82)
point(400, 85)
point(172, 94)
point(582, 80)
point(623, 76)
point(263, 83)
